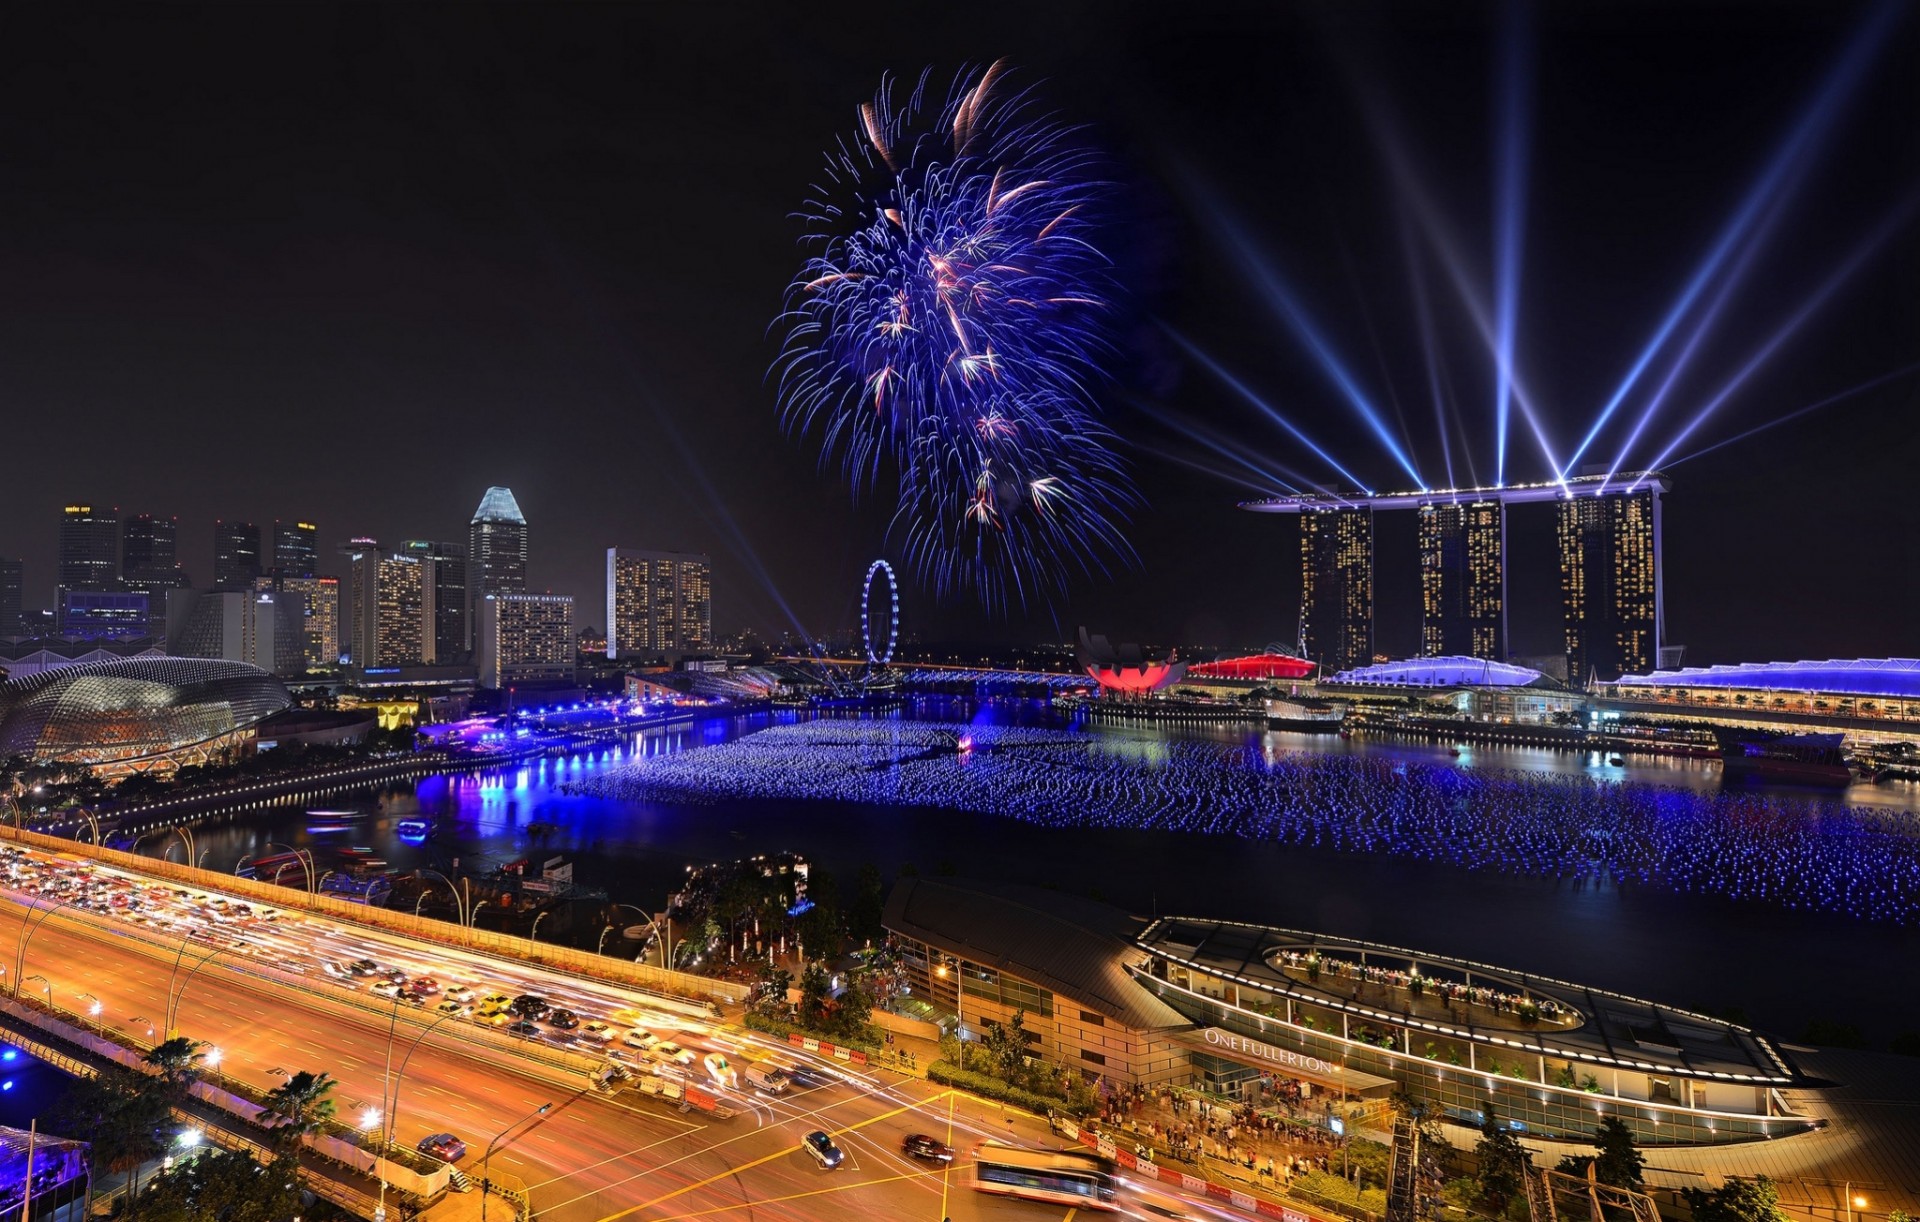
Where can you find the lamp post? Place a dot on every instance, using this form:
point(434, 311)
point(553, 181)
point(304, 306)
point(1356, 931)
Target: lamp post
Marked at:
point(174, 999)
point(390, 1094)
point(93, 1010)
point(49, 987)
point(486, 1184)
point(462, 904)
point(29, 926)
point(1852, 1202)
point(533, 935)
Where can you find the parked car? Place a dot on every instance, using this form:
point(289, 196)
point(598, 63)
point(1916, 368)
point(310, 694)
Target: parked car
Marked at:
point(919, 1145)
point(824, 1152)
point(444, 1146)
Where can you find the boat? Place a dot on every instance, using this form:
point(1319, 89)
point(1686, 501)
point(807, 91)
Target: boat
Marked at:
point(1783, 759)
point(1617, 761)
point(414, 829)
point(1305, 715)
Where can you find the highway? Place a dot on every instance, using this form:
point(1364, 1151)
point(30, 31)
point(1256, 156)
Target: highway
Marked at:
point(592, 1157)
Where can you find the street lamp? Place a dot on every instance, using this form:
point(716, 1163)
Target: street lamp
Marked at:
point(486, 1184)
point(175, 998)
point(29, 926)
point(49, 986)
point(93, 1010)
point(1853, 1202)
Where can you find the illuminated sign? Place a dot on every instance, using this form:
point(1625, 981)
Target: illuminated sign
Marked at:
point(306, 526)
point(1231, 1042)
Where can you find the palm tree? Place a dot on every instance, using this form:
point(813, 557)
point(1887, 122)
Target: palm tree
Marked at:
point(179, 1061)
point(302, 1105)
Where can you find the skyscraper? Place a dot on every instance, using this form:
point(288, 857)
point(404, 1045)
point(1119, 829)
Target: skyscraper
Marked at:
point(89, 554)
point(1463, 580)
point(259, 627)
point(1336, 587)
point(13, 590)
point(658, 602)
point(296, 548)
point(525, 638)
point(319, 614)
point(443, 583)
point(496, 550)
point(386, 602)
point(149, 557)
point(1610, 586)
point(236, 555)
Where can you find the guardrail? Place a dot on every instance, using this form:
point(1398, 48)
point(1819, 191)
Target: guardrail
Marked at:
point(677, 990)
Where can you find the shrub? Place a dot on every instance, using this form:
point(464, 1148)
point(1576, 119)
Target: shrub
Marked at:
point(990, 1087)
point(869, 1040)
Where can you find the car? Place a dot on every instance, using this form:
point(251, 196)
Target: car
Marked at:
point(458, 992)
point(594, 1029)
point(334, 969)
point(821, 1147)
point(454, 1007)
point(566, 1020)
point(496, 999)
point(671, 1052)
point(493, 1018)
point(640, 1038)
point(426, 986)
point(529, 1005)
point(363, 967)
point(523, 1027)
point(394, 974)
point(385, 988)
point(920, 1146)
point(719, 1069)
point(444, 1146)
point(412, 998)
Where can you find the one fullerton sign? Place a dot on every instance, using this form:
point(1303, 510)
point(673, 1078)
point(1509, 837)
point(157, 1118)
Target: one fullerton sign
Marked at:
point(1230, 1042)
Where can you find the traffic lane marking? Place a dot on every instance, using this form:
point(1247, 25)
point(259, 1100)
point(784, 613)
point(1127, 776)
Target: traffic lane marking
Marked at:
point(798, 1196)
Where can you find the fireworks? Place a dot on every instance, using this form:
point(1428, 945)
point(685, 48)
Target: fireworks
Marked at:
point(947, 333)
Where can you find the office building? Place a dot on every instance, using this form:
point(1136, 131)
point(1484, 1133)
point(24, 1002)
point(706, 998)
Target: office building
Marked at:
point(89, 554)
point(236, 555)
point(1610, 582)
point(149, 557)
point(658, 603)
point(296, 549)
point(261, 627)
point(496, 550)
point(1463, 580)
point(525, 638)
point(1336, 586)
point(385, 610)
point(13, 593)
point(444, 636)
point(104, 615)
point(319, 613)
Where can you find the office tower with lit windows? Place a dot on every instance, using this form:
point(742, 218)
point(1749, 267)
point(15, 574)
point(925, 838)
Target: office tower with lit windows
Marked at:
point(386, 605)
point(236, 555)
point(89, 558)
point(443, 583)
point(1610, 582)
point(1463, 579)
point(317, 602)
point(261, 627)
point(296, 549)
point(13, 597)
point(658, 603)
point(1336, 587)
point(525, 638)
point(496, 550)
point(149, 557)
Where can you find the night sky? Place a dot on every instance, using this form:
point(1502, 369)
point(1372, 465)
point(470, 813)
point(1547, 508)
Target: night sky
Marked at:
point(356, 265)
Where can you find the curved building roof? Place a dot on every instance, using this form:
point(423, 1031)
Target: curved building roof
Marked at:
point(133, 707)
point(498, 505)
point(1894, 677)
point(1440, 672)
point(1255, 666)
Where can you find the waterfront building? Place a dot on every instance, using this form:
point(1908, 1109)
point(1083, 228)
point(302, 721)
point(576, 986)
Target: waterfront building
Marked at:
point(89, 555)
point(13, 592)
point(1868, 699)
point(525, 638)
point(1125, 670)
point(496, 550)
point(386, 602)
point(149, 557)
point(236, 555)
point(1610, 585)
point(1336, 586)
point(1460, 686)
point(1463, 579)
point(104, 615)
point(444, 633)
point(658, 603)
point(26, 658)
point(296, 549)
point(319, 606)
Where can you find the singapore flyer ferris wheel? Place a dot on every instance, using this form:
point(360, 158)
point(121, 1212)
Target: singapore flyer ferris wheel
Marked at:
point(870, 614)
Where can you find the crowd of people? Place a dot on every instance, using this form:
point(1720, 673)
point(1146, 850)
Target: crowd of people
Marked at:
point(1189, 1127)
point(1744, 845)
point(1316, 965)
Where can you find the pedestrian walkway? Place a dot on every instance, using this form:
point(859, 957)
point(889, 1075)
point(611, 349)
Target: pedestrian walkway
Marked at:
point(1261, 1147)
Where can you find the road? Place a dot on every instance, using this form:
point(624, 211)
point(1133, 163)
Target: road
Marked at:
point(591, 1158)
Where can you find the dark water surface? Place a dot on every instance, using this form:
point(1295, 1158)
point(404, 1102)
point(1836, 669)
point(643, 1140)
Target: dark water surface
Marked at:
point(1780, 968)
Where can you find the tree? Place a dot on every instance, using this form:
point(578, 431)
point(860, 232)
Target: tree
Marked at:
point(869, 904)
point(121, 1115)
point(302, 1105)
point(222, 1184)
point(179, 1061)
point(814, 987)
point(1504, 1163)
point(1619, 1162)
point(1006, 1048)
point(1755, 1200)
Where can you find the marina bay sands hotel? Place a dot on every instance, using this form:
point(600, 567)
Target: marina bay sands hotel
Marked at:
point(1608, 531)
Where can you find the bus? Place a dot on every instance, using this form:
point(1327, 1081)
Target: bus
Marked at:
point(1063, 1177)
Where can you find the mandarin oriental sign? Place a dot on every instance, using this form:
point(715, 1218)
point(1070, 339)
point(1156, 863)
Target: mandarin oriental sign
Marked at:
point(1224, 1039)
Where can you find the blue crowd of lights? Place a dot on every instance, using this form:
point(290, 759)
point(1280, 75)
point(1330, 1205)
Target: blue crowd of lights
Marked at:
point(1896, 678)
point(1755, 847)
point(1451, 671)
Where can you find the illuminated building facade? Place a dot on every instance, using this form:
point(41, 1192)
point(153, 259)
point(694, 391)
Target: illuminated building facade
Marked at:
point(296, 549)
point(658, 603)
point(104, 615)
point(13, 592)
point(149, 557)
point(89, 557)
point(319, 606)
point(496, 550)
point(525, 638)
point(444, 636)
point(1610, 582)
point(386, 610)
point(1463, 579)
point(1336, 586)
point(236, 555)
point(261, 627)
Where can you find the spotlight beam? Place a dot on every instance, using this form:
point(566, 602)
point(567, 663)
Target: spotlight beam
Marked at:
point(1191, 430)
point(1809, 409)
point(1781, 174)
point(1423, 316)
point(1510, 221)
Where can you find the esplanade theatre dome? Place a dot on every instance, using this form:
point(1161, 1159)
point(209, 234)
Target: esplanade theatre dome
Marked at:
point(136, 714)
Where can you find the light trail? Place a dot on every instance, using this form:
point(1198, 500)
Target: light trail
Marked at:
point(1782, 173)
point(1809, 409)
